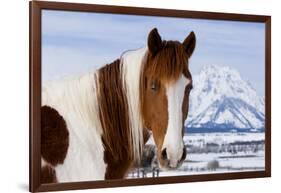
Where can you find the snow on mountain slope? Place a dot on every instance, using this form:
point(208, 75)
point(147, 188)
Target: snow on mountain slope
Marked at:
point(222, 99)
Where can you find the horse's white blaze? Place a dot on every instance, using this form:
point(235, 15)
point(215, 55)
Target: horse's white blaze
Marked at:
point(173, 141)
point(75, 100)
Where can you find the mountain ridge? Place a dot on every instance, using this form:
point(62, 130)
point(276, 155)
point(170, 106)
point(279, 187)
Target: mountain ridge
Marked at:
point(221, 99)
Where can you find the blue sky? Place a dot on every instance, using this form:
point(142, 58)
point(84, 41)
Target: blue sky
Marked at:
point(76, 42)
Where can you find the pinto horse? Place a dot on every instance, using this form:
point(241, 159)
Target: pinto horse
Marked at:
point(94, 127)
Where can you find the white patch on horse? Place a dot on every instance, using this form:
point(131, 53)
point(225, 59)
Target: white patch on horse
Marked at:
point(76, 101)
point(173, 141)
point(131, 67)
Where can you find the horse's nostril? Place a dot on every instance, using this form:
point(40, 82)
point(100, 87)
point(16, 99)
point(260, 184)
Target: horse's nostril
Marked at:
point(164, 154)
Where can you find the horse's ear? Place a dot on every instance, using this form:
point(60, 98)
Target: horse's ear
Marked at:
point(189, 43)
point(154, 41)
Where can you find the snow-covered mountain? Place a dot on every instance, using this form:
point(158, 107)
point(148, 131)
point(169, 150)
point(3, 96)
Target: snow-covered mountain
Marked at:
point(222, 99)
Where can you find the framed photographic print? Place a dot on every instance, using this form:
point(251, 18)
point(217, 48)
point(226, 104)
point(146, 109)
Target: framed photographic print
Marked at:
point(123, 96)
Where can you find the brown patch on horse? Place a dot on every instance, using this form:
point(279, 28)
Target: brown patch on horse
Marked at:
point(185, 104)
point(48, 175)
point(116, 168)
point(54, 136)
point(113, 112)
point(155, 110)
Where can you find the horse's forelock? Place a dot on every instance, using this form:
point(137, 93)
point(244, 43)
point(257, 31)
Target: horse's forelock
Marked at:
point(168, 64)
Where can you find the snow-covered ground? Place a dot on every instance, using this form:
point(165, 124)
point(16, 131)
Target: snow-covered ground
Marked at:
point(218, 153)
point(221, 138)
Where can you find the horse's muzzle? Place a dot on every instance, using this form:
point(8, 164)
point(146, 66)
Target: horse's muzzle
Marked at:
point(167, 162)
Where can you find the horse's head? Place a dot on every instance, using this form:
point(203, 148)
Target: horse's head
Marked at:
point(166, 84)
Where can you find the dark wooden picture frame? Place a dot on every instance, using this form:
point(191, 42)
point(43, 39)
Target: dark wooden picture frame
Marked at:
point(35, 94)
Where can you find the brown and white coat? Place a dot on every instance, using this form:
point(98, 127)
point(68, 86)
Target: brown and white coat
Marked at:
point(94, 126)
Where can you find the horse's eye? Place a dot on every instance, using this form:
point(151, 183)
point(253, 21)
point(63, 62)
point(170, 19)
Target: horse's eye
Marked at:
point(154, 86)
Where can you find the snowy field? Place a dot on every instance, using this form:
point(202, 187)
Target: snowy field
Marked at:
point(215, 153)
point(220, 138)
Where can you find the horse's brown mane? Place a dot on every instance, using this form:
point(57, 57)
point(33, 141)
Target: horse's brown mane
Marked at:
point(113, 112)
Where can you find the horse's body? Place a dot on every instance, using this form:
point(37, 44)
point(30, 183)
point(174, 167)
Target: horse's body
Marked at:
point(94, 126)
